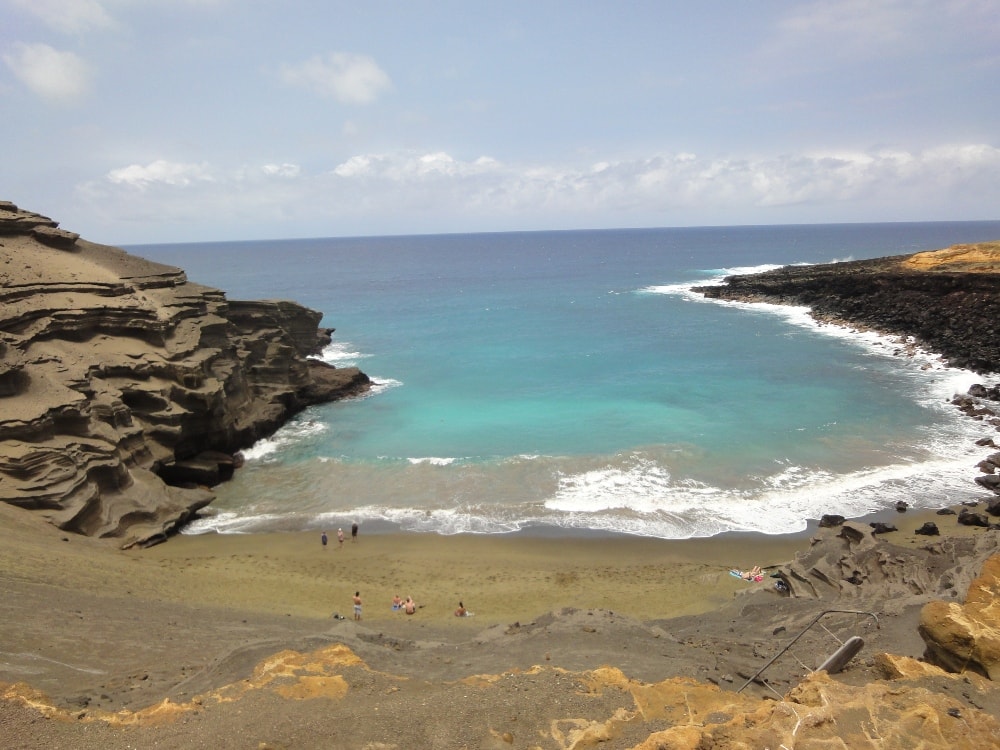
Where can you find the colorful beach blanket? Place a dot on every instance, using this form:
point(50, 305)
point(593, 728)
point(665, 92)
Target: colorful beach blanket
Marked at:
point(746, 576)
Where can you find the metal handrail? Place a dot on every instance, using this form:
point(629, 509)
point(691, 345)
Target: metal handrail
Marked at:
point(816, 619)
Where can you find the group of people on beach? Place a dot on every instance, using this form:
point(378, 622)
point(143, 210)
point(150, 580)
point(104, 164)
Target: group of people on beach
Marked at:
point(404, 605)
point(324, 539)
point(407, 605)
point(398, 605)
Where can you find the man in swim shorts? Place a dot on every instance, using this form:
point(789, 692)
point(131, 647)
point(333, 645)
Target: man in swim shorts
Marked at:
point(357, 605)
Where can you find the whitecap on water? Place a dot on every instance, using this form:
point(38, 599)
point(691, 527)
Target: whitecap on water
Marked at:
point(293, 432)
point(340, 354)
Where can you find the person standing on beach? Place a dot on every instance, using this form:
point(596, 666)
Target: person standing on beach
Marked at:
point(357, 605)
point(323, 539)
point(340, 537)
point(354, 532)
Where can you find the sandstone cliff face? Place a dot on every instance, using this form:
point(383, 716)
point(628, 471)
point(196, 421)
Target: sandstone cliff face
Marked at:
point(125, 388)
point(947, 300)
point(965, 636)
point(852, 564)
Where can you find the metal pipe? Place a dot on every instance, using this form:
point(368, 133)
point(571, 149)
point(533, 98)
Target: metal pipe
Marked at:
point(802, 633)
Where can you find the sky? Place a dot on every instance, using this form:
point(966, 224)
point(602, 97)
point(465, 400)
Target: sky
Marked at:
point(146, 121)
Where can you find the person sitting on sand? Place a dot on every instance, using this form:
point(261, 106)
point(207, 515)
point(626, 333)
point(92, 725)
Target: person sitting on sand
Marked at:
point(409, 606)
point(397, 603)
point(461, 611)
point(754, 574)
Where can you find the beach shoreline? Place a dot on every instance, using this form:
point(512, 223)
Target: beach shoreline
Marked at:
point(502, 578)
point(103, 638)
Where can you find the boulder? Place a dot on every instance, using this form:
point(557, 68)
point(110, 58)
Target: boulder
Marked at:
point(928, 529)
point(55, 237)
point(879, 527)
point(991, 393)
point(967, 517)
point(966, 637)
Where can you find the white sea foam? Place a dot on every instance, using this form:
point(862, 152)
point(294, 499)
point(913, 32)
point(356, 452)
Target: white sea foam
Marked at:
point(340, 354)
point(228, 522)
point(631, 494)
point(381, 385)
point(432, 460)
point(641, 497)
point(293, 432)
point(450, 521)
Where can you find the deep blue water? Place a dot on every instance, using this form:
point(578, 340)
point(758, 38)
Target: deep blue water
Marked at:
point(571, 379)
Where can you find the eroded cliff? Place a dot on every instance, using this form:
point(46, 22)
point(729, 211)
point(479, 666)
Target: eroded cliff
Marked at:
point(125, 389)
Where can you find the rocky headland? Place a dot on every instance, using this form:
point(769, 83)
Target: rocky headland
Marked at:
point(945, 301)
point(126, 390)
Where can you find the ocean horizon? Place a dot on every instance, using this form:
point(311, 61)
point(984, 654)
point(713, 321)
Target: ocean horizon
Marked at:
point(572, 380)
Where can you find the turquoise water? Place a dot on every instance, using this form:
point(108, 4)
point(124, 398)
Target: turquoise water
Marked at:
point(571, 379)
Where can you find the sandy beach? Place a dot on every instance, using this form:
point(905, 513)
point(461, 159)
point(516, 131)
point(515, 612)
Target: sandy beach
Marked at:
point(501, 579)
point(98, 637)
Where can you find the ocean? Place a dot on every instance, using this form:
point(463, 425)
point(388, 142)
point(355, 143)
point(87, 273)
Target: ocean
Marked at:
point(572, 381)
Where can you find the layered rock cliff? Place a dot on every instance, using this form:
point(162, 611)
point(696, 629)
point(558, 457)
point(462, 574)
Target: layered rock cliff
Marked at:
point(947, 301)
point(125, 389)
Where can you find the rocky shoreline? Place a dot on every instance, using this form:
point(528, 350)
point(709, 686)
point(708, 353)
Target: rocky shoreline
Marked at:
point(127, 390)
point(944, 301)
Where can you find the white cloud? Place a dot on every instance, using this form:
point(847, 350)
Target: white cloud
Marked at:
point(281, 170)
point(54, 75)
point(160, 172)
point(415, 192)
point(348, 78)
point(408, 167)
point(68, 16)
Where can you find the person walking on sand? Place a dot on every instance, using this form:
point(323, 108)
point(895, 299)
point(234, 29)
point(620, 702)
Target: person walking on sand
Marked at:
point(323, 539)
point(340, 537)
point(354, 532)
point(357, 605)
